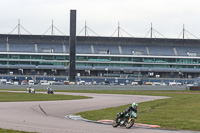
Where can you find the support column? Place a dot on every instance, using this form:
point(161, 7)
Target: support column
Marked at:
point(36, 48)
point(72, 46)
point(7, 45)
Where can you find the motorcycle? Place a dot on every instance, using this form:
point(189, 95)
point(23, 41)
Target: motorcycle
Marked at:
point(31, 90)
point(50, 91)
point(126, 120)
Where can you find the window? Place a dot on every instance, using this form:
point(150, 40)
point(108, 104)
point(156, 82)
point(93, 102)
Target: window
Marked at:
point(47, 57)
point(59, 57)
point(3, 62)
point(36, 57)
point(15, 56)
point(3, 56)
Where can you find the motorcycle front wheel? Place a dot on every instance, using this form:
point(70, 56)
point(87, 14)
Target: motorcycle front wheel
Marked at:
point(130, 123)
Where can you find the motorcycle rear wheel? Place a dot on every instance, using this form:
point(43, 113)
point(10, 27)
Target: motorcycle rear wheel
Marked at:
point(116, 122)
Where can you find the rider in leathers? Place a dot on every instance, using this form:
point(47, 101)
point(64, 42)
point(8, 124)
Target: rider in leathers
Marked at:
point(131, 108)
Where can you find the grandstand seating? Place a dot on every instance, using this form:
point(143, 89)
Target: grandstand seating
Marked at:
point(13, 47)
point(46, 48)
point(161, 50)
point(109, 49)
point(128, 49)
point(67, 48)
point(182, 51)
point(83, 49)
point(3, 47)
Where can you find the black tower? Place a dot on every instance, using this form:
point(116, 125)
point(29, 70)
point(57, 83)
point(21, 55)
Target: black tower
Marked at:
point(72, 46)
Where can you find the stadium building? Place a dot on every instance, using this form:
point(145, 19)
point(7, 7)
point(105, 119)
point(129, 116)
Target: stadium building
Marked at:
point(100, 56)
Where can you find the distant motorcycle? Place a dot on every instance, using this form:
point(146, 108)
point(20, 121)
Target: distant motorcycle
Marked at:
point(31, 90)
point(50, 91)
point(126, 120)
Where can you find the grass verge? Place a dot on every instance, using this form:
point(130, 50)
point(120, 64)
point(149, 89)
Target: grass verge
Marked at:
point(12, 131)
point(16, 97)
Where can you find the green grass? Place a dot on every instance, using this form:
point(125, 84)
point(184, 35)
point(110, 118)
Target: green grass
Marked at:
point(16, 97)
point(12, 131)
point(181, 111)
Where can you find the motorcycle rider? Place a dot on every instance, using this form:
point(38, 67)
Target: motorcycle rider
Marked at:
point(130, 108)
point(49, 90)
point(29, 89)
point(127, 117)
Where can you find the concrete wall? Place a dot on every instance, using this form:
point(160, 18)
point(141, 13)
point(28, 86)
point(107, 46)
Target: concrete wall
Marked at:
point(95, 87)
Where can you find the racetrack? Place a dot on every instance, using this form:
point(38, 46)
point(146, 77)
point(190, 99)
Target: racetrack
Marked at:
point(49, 116)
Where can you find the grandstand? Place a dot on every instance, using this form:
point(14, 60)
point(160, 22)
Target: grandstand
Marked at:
point(100, 56)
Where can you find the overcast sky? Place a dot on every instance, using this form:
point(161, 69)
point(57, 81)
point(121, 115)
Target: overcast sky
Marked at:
point(102, 16)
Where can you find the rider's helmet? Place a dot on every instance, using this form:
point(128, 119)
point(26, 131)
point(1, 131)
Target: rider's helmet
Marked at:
point(134, 105)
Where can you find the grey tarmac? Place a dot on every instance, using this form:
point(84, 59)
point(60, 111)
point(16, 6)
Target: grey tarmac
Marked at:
point(49, 116)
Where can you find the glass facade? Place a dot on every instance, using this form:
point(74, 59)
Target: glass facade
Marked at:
point(106, 61)
point(139, 62)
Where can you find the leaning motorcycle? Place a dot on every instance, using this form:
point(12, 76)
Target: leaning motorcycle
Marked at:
point(126, 120)
point(50, 92)
point(31, 90)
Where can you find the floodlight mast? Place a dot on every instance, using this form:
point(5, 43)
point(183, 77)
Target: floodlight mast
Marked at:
point(72, 46)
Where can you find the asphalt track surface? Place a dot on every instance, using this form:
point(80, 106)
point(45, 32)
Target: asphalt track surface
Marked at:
point(49, 116)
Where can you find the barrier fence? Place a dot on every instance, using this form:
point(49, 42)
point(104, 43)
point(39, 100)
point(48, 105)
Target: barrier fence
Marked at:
point(95, 87)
